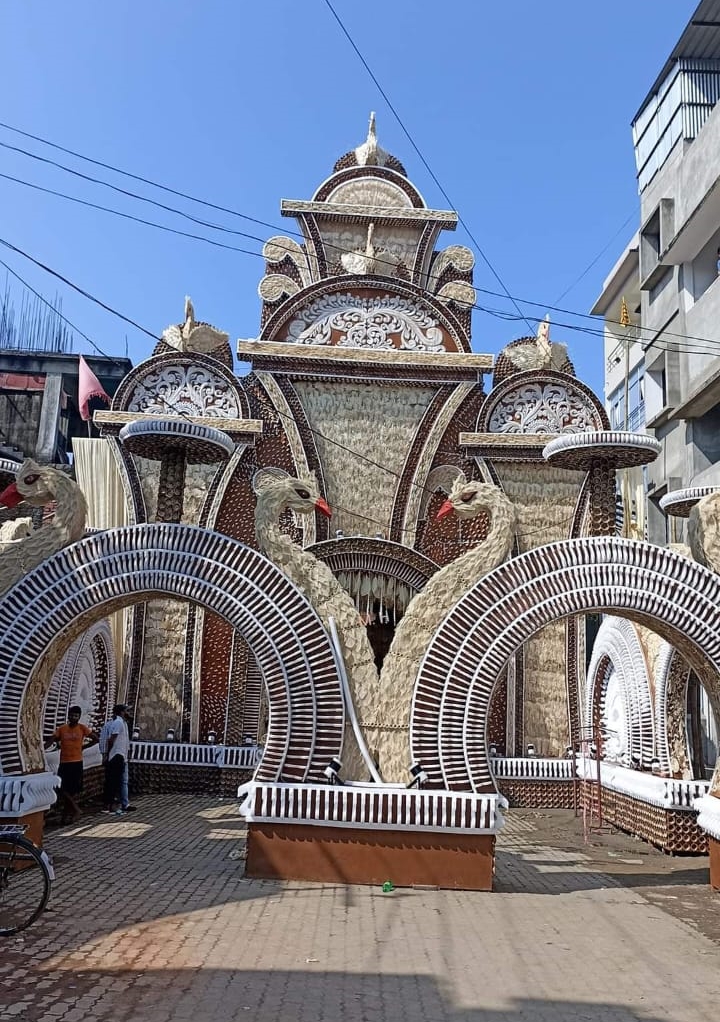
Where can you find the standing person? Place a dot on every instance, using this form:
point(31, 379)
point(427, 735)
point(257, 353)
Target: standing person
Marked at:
point(115, 757)
point(71, 738)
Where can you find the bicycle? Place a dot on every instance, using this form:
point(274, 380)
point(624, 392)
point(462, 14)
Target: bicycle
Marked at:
point(26, 875)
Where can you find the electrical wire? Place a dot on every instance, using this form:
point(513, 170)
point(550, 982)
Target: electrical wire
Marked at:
point(181, 412)
point(129, 216)
point(597, 258)
point(512, 317)
point(424, 162)
point(138, 177)
point(125, 192)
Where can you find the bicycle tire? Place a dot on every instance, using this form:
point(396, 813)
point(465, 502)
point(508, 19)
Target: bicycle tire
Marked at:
point(23, 871)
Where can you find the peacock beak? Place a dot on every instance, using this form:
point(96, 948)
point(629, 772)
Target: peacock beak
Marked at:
point(445, 509)
point(322, 505)
point(11, 496)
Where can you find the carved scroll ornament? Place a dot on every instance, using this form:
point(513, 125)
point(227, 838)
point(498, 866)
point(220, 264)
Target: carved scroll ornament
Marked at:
point(542, 408)
point(190, 390)
point(354, 322)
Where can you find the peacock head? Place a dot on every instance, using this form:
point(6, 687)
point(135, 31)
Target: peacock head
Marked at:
point(468, 499)
point(300, 495)
point(33, 484)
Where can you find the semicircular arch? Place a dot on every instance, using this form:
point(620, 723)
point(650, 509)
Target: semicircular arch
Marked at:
point(44, 613)
point(677, 598)
point(617, 645)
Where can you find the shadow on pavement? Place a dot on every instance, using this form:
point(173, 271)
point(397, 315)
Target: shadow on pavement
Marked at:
point(310, 995)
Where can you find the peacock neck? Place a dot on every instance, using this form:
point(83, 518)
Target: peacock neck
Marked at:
point(71, 513)
point(485, 555)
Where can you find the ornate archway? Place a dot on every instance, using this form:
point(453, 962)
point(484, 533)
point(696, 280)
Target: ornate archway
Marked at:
point(43, 614)
point(87, 675)
point(677, 598)
point(618, 673)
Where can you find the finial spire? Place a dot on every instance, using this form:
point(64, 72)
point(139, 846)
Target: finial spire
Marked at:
point(624, 314)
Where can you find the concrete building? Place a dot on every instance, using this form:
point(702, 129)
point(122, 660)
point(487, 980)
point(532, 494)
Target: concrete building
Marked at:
point(39, 410)
point(672, 267)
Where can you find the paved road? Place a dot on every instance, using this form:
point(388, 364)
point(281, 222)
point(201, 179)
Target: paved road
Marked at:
point(153, 921)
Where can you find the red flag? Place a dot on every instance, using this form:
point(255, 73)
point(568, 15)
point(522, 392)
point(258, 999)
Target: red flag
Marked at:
point(89, 386)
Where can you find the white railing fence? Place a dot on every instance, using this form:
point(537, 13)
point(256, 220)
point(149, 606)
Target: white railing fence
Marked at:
point(532, 768)
point(244, 757)
point(369, 805)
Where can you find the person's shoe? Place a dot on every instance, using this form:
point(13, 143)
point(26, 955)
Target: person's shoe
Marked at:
point(120, 811)
point(106, 810)
point(129, 809)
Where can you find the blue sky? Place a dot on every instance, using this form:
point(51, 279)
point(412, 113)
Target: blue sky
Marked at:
point(522, 110)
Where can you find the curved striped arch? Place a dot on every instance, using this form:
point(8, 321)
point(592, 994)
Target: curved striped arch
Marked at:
point(42, 615)
point(678, 598)
point(617, 649)
point(88, 667)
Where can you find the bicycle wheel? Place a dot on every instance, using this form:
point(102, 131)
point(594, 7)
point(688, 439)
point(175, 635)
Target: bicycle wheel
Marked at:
point(24, 883)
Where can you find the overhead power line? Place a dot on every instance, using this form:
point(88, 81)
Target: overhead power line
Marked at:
point(162, 227)
point(138, 177)
point(129, 216)
point(424, 162)
point(181, 412)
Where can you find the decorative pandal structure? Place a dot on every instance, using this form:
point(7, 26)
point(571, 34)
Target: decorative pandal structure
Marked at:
point(472, 534)
point(601, 453)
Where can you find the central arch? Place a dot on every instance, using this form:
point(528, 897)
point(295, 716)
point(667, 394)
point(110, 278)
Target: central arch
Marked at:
point(49, 608)
point(678, 598)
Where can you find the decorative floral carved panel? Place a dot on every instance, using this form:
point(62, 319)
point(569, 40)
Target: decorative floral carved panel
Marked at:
point(354, 322)
point(184, 390)
point(543, 408)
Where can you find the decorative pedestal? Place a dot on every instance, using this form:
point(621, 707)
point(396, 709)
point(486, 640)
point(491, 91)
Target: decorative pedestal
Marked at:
point(708, 809)
point(714, 852)
point(367, 834)
point(362, 856)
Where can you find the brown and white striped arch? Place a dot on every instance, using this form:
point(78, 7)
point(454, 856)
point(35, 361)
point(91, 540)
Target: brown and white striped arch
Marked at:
point(678, 599)
point(45, 613)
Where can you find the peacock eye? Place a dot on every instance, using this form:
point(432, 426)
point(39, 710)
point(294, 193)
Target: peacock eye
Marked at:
point(467, 497)
point(29, 480)
point(303, 494)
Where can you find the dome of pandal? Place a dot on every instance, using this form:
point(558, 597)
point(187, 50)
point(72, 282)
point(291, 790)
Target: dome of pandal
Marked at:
point(370, 154)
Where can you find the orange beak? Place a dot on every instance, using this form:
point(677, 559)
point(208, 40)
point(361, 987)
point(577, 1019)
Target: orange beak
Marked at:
point(445, 509)
point(11, 496)
point(323, 506)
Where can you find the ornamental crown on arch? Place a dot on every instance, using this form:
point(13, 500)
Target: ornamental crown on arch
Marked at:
point(368, 228)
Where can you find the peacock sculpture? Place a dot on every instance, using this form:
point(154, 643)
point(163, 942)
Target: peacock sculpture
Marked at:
point(277, 492)
point(193, 335)
point(39, 485)
point(428, 609)
point(536, 353)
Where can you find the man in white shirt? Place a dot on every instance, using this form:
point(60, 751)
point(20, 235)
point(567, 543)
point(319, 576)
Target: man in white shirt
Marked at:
point(115, 757)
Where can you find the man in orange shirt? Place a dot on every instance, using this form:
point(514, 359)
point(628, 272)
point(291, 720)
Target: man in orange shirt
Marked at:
point(72, 738)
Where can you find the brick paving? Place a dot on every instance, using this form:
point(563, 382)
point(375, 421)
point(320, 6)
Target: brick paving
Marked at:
point(151, 920)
